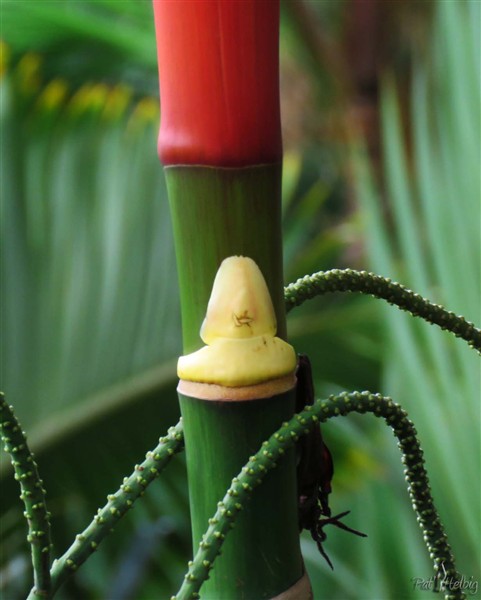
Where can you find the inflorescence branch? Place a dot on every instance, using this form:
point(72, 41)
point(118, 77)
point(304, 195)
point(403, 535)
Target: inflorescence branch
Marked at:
point(32, 495)
point(253, 473)
point(272, 450)
point(117, 505)
point(348, 280)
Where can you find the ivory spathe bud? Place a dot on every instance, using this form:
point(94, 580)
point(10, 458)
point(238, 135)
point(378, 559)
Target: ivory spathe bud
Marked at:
point(239, 330)
point(240, 305)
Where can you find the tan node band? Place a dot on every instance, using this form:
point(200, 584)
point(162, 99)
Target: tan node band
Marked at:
point(210, 391)
point(301, 590)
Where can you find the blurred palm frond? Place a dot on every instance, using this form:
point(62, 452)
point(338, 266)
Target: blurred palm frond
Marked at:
point(424, 233)
point(91, 324)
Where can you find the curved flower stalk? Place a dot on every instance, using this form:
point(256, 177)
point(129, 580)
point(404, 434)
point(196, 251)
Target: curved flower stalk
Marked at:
point(275, 448)
point(118, 504)
point(252, 474)
point(347, 280)
point(33, 497)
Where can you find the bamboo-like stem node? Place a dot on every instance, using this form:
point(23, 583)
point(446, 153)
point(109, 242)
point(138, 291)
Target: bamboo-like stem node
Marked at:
point(211, 391)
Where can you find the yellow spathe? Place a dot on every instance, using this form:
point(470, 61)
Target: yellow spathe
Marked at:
point(235, 363)
point(239, 330)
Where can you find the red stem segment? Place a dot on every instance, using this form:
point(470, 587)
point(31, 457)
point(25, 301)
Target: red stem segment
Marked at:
point(219, 82)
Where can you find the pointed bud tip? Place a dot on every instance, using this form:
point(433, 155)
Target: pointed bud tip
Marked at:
point(240, 306)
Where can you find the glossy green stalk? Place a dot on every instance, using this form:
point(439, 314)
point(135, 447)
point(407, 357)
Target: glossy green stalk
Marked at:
point(261, 557)
point(220, 141)
point(216, 213)
point(221, 212)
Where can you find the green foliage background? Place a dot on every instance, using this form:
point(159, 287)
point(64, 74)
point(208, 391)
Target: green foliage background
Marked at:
point(91, 327)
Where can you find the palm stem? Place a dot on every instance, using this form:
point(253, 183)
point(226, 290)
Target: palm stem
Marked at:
point(217, 213)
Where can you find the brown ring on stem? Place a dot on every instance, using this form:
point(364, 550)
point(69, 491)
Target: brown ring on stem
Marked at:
point(211, 391)
point(301, 590)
